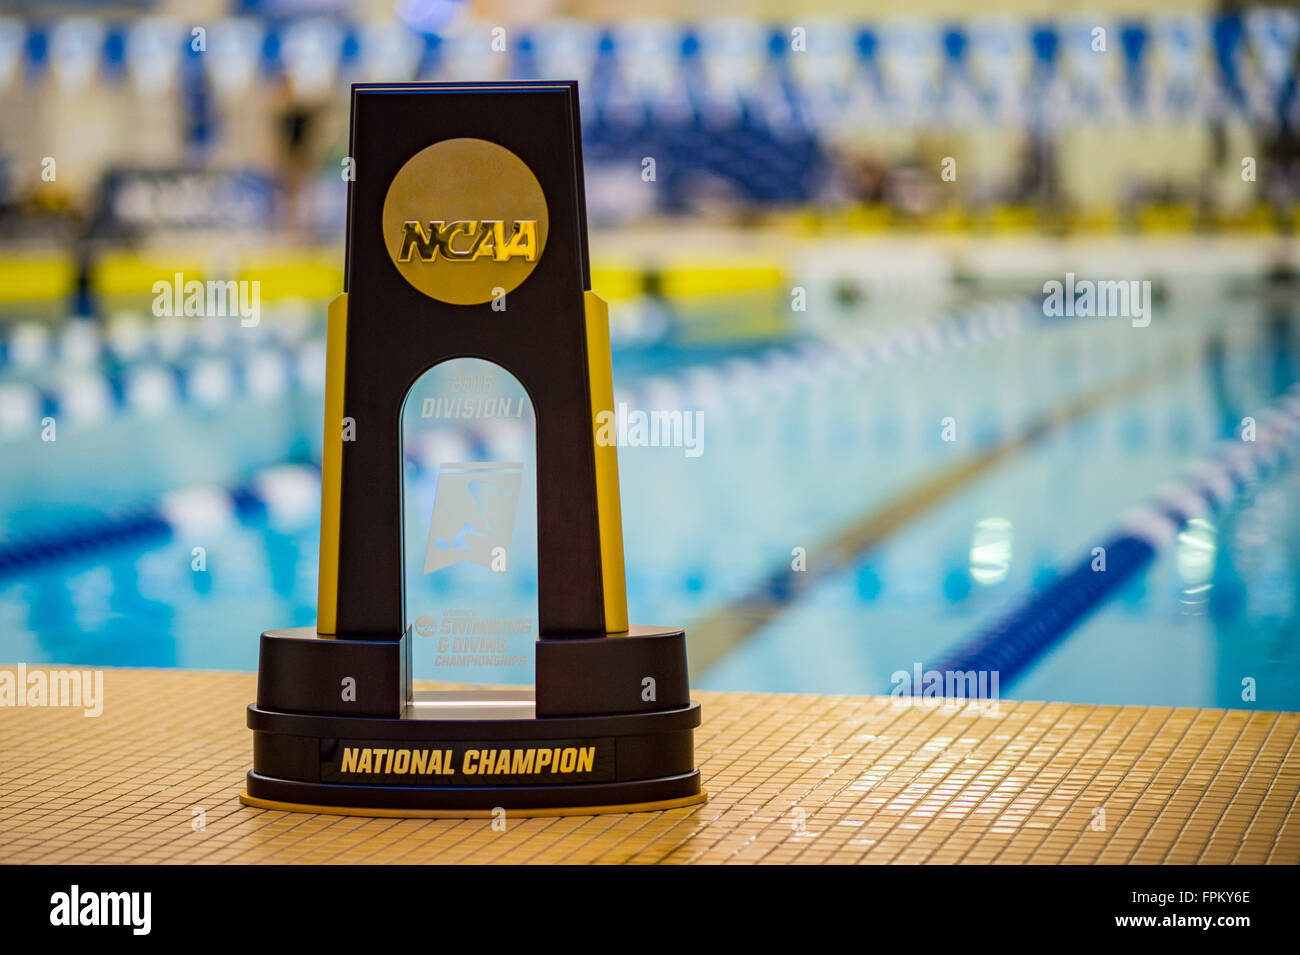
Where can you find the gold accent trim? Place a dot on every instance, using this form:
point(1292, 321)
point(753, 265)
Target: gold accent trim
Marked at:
point(331, 477)
point(609, 515)
point(662, 804)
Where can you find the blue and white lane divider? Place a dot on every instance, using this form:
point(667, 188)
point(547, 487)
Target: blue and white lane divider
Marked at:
point(280, 492)
point(747, 380)
point(1013, 642)
point(91, 396)
point(286, 496)
point(128, 337)
point(151, 380)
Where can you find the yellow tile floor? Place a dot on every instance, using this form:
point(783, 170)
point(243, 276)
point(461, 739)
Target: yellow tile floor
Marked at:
point(791, 779)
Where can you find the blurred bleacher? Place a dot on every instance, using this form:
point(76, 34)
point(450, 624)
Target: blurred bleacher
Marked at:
point(121, 137)
point(731, 110)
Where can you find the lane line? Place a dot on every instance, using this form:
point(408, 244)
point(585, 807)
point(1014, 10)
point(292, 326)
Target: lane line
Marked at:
point(723, 629)
point(1014, 641)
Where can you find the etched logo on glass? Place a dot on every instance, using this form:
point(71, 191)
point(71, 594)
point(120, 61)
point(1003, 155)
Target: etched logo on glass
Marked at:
point(473, 515)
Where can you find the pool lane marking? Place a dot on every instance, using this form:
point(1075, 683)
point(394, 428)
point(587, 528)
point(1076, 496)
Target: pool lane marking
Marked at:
point(289, 493)
point(92, 397)
point(276, 491)
point(271, 367)
point(1017, 639)
point(983, 322)
point(723, 629)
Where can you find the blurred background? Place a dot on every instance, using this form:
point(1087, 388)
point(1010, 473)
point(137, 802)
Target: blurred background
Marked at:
point(828, 228)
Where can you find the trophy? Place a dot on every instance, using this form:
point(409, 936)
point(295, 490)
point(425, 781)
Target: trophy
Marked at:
point(467, 240)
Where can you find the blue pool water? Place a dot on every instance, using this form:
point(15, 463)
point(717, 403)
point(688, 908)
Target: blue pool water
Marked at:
point(1058, 429)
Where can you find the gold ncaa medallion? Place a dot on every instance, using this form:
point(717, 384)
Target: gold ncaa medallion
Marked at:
point(464, 221)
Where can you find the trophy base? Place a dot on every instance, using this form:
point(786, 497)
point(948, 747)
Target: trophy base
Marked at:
point(662, 804)
point(464, 753)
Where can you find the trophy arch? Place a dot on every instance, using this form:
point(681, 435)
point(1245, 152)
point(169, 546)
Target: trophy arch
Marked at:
point(581, 589)
point(469, 493)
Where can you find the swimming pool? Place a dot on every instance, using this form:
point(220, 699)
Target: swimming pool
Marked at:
point(866, 497)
